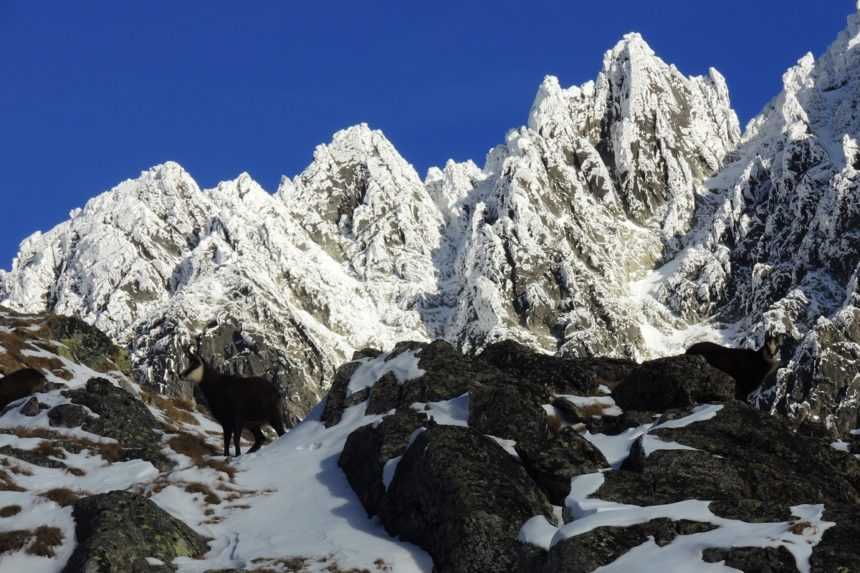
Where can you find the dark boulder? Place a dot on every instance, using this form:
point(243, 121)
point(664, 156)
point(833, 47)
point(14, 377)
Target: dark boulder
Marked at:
point(588, 551)
point(554, 461)
point(741, 453)
point(117, 531)
point(123, 417)
point(751, 510)
point(337, 401)
point(674, 382)
point(370, 447)
point(462, 498)
point(447, 374)
point(838, 551)
point(558, 375)
point(385, 395)
point(775, 464)
point(20, 384)
point(31, 407)
point(67, 415)
point(753, 559)
point(508, 411)
point(669, 476)
point(86, 344)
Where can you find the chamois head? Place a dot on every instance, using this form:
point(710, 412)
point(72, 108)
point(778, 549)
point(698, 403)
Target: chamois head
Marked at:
point(770, 349)
point(196, 366)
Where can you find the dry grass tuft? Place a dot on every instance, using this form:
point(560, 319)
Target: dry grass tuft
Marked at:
point(16, 469)
point(47, 540)
point(801, 527)
point(177, 410)
point(42, 541)
point(191, 446)
point(199, 451)
point(11, 541)
point(209, 496)
point(592, 410)
point(62, 496)
point(111, 452)
point(49, 450)
point(7, 483)
point(10, 510)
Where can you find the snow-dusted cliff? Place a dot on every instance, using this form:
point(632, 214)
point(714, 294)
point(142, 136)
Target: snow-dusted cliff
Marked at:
point(627, 218)
point(777, 246)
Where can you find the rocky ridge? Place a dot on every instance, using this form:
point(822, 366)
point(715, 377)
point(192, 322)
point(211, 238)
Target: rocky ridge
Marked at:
point(547, 476)
point(507, 460)
point(629, 218)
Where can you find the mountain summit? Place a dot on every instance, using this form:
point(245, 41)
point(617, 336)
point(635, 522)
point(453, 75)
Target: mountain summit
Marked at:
point(629, 218)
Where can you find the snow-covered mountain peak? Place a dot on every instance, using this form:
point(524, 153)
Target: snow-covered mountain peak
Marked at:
point(631, 49)
point(365, 205)
point(450, 186)
point(554, 242)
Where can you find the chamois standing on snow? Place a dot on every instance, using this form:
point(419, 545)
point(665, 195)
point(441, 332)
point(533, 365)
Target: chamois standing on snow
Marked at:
point(237, 402)
point(748, 367)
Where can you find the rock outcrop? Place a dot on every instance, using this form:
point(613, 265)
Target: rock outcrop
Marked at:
point(120, 531)
point(691, 465)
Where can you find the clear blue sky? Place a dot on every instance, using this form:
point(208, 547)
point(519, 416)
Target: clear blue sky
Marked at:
point(94, 92)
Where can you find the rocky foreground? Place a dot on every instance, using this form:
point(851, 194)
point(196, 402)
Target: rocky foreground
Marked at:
point(419, 459)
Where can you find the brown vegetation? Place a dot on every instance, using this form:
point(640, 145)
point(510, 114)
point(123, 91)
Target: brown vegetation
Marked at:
point(199, 451)
point(175, 409)
point(111, 452)
point(10, 510)
point(42, 541)
point(62, 496)
point(47, 540)
point(209, 496)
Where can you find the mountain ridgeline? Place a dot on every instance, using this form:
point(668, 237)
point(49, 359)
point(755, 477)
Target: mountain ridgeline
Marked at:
point(629, 218)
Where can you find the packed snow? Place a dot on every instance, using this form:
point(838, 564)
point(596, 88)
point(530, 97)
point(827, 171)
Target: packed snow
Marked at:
point(404, 366)
point(616, 448)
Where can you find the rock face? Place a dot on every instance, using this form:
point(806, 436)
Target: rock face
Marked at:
point(439, 500)
point(675, 382)
point(555, 460)
point(473, 485)
point(121, 416)
point(776, 245)
point(369, 450)
point(740, 454)
point(118, 531)
point(587, 552)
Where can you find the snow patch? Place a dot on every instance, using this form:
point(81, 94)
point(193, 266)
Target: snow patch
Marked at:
point(404, 366)
point(453, 412)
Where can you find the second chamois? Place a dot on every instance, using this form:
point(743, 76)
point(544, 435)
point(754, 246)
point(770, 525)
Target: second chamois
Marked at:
point(748, 367)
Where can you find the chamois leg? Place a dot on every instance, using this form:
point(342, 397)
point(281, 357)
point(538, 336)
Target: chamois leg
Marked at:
point(277, 422)
point(259, 439)
point(237, 436)
point(228, 431)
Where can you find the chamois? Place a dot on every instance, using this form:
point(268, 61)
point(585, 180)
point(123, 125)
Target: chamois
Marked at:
point(748, 367)
point(20, 384)
point(237, 402)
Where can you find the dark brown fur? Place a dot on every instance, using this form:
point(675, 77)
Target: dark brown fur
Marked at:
point(748, 367)
point(20, 384)
point(238, 403)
